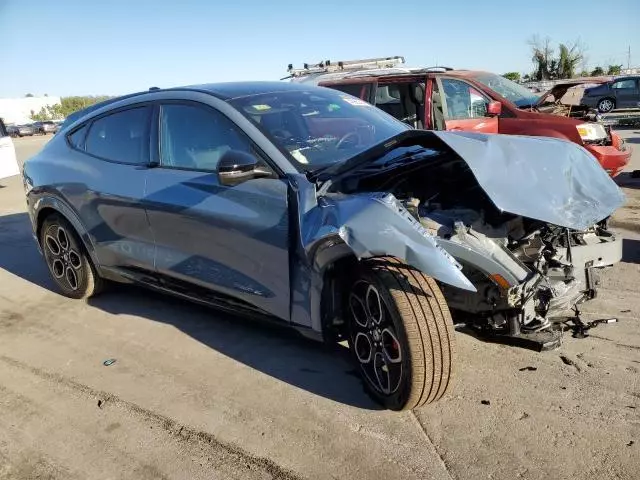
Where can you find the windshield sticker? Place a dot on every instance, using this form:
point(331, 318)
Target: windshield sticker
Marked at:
point(356, 101)
point(261, 107)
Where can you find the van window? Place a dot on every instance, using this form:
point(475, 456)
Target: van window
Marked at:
point(404, 101)
point(354, 89)
point(462, 100)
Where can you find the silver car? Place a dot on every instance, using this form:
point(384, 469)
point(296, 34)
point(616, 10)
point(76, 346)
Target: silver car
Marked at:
point(310, 208)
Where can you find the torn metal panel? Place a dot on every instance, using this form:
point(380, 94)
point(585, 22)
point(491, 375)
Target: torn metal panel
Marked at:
point(546, 179)
point(375, 224)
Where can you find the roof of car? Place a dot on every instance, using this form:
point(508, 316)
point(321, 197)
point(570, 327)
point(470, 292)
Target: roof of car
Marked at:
point(224, 91)
point(230, 90)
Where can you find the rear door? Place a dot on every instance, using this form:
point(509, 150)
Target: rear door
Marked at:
point(108, 161)
point(460, 106)
point(626, 93)
point(8, 160)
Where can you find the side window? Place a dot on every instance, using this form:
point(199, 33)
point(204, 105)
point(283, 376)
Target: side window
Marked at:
point(404, 101)
point(462, 100)
point(121, 137)
point(624, 84)
point(195, 137)
point(354, 89)
point(76, 139)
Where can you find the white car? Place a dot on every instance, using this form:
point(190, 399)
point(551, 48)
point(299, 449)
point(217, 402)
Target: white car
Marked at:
point(8, 161)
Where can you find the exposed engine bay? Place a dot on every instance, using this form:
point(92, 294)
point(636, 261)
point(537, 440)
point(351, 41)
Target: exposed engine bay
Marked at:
point(526, 271)
point(521, 270)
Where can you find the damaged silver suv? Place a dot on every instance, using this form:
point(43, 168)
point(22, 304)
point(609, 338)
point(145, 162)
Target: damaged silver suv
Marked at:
point(311, 208)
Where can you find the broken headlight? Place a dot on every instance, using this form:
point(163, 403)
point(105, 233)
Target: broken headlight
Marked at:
point(591, 132)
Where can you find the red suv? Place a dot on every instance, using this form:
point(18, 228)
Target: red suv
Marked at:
point(447, 99)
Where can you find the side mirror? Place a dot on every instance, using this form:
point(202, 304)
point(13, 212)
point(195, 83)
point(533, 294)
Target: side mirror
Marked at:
point(236, 167)
point(494, 109)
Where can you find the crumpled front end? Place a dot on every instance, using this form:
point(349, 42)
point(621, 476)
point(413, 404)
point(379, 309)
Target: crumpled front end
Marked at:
point(532, 276)
point(523, 216)
point(376, 224)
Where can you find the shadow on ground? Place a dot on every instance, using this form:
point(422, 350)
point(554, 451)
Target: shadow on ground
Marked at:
point(630, 250)
point(628, 180)
point(326, 371)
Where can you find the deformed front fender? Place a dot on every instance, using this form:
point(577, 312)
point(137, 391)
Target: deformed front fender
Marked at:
point(376, 224)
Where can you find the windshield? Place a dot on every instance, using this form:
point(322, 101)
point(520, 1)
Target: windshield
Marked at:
point(318, 127)
point(512, 91)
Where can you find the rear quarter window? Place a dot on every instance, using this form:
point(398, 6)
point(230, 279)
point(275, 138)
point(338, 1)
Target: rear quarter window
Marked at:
point(76, 138)
point(121, 137)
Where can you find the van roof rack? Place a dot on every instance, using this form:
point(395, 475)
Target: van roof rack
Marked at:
point(327, 66)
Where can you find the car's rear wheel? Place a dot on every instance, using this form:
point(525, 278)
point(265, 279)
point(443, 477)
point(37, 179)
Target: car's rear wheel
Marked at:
point(606, 105)
point(401, 334)
point(68, 262)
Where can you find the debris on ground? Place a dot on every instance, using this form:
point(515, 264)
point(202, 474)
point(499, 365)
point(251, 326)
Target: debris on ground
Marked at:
point(630, 443)
point(485, 402)
point(528, 369)
point(109, 361)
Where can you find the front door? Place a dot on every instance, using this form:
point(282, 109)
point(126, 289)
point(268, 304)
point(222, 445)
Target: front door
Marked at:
point(8, 161)
point(626, 93)
point(233, 240)
point(457, 105)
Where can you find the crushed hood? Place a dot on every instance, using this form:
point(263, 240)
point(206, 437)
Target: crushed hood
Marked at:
point(546, 179)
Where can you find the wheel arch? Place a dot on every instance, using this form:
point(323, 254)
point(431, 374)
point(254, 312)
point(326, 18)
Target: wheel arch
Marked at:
point(47, 206)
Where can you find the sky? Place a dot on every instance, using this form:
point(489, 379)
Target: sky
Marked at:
point(92, 47)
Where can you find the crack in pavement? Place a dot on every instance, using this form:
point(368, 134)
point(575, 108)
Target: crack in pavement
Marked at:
point(237, 455)
point(433, 445)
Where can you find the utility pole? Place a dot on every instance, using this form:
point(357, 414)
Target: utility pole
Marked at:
point(629, 58)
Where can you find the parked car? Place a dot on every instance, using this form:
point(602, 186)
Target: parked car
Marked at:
point(43, 128)
point(565, 98)
point(623, 92)
point(311, 208)
point(8, 161)
point(21, 130)
point(447, 99)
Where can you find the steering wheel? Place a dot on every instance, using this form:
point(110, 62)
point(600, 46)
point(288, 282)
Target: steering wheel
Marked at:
point(345, 138)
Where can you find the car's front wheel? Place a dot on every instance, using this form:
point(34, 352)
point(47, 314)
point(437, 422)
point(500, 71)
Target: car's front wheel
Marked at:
point(400, 333)
point(69, 265)
point(606, 105)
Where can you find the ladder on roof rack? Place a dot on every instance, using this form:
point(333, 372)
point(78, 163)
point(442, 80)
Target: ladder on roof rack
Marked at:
point(328, 66)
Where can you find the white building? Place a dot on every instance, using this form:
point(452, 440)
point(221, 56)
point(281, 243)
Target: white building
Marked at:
point(18, 110)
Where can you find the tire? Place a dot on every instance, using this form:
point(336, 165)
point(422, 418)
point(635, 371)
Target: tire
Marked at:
point(400, 333)
point(67, 260)
point(606, 105)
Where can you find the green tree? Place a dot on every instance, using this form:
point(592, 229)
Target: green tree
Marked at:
point(515, 76)
point(69, 105)
point(597, 71)
point(48, 112)
point(568, 60)
point(614, 70)
point(584, 73)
